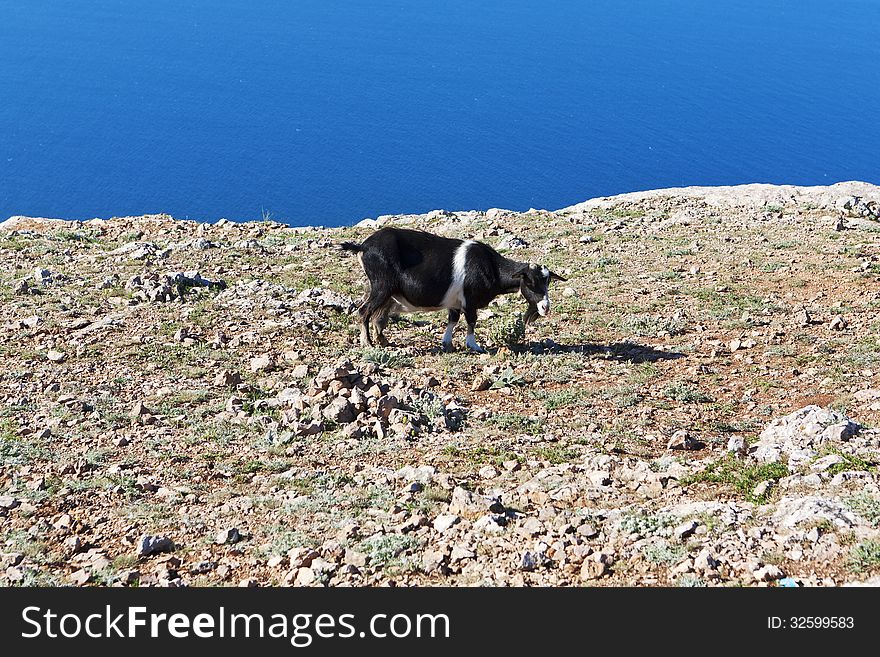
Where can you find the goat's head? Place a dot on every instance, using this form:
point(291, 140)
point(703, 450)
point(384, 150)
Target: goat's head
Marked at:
point(534, 281)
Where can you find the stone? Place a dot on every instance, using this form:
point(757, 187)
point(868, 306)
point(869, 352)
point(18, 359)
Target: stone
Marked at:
point(685, 529)
point(262, 363)
point(81, 577)
point(681, 439)
point(432, 561)
point(227, 379)
point(528, 562)
point(704, 561)
point(531, 526)
point(445, 521)
point(138, 410)
point(300, 557)
point(148, 545)
point(592, 570)
point(423, 474)
point(276, 562)
point(737, 445)
point(227, 536)
point(768, 573)
point(488, 472)
point(793, 512)
point(838, 323)
point(56, 356)
point(798, 434)
point(339, 411)
point(481, 383)
point(8, 502)
point(460, 553)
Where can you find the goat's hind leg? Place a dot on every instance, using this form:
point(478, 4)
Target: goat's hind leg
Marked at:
point(470, 316)
point(380, 322)
point(370, 311)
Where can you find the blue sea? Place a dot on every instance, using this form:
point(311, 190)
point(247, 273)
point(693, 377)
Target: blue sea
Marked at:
point(324, 112)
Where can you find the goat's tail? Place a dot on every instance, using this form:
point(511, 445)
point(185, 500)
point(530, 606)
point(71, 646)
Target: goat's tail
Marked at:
point(351, 246)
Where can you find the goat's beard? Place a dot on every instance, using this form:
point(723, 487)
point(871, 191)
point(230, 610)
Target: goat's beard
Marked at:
point(531, 314)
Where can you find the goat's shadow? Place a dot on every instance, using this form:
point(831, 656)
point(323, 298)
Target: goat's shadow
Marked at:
point(623, 352)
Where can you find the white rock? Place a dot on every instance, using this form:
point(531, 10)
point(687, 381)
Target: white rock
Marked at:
point(794, 511)
point(685, 529)
point(444, 521)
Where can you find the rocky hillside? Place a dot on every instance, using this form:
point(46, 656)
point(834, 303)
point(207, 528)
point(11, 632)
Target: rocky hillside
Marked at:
point(187, 404)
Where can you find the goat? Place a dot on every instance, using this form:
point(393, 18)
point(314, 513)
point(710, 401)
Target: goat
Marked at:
point(415, 271)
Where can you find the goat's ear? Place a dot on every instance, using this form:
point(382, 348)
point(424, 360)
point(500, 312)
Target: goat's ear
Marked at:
point(556, 277)
point(521, 271)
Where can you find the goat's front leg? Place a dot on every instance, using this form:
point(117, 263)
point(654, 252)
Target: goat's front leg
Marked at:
point(470, 316)
point(451, 322)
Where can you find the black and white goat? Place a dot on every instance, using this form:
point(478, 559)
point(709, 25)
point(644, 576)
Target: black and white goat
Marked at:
point(414, 271)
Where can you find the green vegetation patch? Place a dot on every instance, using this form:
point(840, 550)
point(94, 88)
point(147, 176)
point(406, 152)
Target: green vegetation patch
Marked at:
point(739, 474)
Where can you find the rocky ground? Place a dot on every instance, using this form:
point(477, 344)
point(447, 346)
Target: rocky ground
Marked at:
point(187, 404)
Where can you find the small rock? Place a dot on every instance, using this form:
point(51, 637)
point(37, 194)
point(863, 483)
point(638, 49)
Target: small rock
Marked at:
point(56, 356)
point(686, 529)
point(681, 439)
point(587, 530)
point(768, 573)
point(263, 363)
point(737, 445)
point(488, 472)
point(445, 521)
point(481, 383)
point(838, 323)
point(148, 545)
point(227, 379)
point(227, 536)
point(276, 562)
point(529, 562)
point(8, 502)
point(432, 561)
point(139, 409)
point(81, 577)
point(762, 488)
point(592, 570)
point(460, 553)
point(339, 411)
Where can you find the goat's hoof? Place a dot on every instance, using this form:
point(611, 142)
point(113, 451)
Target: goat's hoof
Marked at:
point(383, 341)
point(447, 347)
point(477, 350)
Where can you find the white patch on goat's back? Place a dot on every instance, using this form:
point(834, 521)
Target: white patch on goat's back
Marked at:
point(454, 297)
